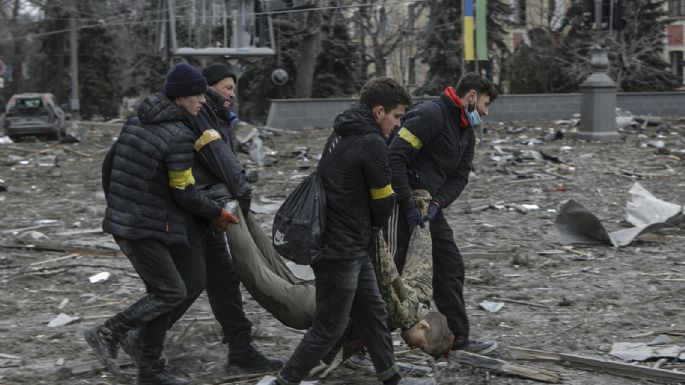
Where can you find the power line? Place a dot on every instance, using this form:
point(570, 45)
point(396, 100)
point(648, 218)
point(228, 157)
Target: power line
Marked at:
point(103, 23)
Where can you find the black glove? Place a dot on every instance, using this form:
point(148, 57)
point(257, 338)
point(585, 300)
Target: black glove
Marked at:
point(244, 204)
point(413, 216)
point(433, 209)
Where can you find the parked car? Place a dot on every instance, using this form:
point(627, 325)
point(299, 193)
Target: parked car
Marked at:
point(33, 114)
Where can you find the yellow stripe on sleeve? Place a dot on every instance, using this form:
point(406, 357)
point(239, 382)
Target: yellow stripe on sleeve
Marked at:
point(207, 137)
point(181, 179)
point(410, 138)
point(380, 193)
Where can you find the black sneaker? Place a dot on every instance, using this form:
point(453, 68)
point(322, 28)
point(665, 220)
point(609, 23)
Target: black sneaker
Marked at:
point(477, 346)
point(159, 376)
point(105, 346)
point(360, 361)
point(244, 358)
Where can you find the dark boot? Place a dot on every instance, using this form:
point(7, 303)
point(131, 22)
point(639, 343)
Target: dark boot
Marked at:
point(159, 376)
point(129, 344)
point(243, 357)
point(105, 345)
point(150, 371)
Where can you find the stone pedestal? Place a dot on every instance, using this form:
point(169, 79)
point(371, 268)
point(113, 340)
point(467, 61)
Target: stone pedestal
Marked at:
point(598, 102)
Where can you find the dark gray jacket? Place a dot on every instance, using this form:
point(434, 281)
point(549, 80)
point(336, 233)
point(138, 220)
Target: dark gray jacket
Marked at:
point(147, 176)
point(217, 162)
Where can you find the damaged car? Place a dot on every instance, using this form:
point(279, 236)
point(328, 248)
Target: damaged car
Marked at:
point(33, 114)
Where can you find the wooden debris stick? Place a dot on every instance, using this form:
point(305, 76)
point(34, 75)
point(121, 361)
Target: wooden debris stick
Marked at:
point(520, 302)
point(501, 366)
point(584, 362)
point(9, 356)
point(243, 378)
point(73, 255)
point(558, 175)
point(64, 249)
point(79, 153)
point(22, 229)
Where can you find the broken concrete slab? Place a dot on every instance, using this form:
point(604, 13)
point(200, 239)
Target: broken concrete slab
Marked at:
point(640, 351)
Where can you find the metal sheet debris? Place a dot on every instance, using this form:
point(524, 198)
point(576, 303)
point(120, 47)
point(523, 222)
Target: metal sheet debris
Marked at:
point(576, 224)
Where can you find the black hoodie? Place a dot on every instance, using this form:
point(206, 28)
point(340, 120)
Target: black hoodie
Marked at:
point(147, 176)
point(355, 174)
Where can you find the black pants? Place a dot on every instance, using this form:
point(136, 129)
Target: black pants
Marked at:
point(171, 281)
point(344, 288)
point(448, 268)
point(221, 281)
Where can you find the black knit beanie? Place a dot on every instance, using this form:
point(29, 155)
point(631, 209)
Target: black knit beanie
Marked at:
point(214, 73)
point(184, 80)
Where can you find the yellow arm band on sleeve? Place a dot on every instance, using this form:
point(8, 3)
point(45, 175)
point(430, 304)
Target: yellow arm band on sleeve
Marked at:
point(410, 138)
point(181, 179)
point(380, 193)
point(207, 137)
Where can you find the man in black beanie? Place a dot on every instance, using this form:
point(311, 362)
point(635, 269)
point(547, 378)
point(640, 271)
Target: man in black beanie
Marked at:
point(223, 81)
point(219, 173)
point(148, 182)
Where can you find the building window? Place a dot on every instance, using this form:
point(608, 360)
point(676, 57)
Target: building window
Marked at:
point(675, 35)
point(676, 7)
point(518, 12)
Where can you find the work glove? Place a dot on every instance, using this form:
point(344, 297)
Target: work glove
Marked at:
point(232, 117)
point(222, 221)
point(413, 216)
point(433, 209)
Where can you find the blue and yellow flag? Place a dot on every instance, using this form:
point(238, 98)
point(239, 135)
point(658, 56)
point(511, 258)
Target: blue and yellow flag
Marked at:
point(468, 31)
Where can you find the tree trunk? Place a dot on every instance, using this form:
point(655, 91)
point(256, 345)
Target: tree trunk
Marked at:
point(311, 46)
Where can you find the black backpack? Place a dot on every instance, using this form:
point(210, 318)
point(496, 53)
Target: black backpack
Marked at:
point(297, 232)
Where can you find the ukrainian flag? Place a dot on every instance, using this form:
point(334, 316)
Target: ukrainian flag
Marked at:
point(469, 51)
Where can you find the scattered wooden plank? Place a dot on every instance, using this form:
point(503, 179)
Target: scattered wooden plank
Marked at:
point(505, 367)
point(590, 363)
point(9, 356)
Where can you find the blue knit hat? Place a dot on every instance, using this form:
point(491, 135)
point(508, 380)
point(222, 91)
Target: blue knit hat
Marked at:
point(184, 80)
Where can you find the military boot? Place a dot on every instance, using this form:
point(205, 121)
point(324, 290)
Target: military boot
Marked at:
point(159, 376)
point(105, 344)
point(150, 371)
point(243, 357)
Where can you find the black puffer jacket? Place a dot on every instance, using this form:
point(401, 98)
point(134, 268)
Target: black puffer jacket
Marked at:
point(355, 175)
point(147, 176)
point(432, 152)
point(217, 160)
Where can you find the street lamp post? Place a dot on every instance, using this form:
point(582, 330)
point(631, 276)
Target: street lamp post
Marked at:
point(598, 92)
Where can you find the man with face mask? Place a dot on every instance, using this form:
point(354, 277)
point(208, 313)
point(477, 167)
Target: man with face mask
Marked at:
point(433, 151)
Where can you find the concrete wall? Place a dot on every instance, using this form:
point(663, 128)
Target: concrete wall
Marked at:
point(297, 113)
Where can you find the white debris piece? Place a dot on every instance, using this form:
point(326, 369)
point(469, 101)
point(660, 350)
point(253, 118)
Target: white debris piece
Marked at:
point(61, 320)
point(99, 277)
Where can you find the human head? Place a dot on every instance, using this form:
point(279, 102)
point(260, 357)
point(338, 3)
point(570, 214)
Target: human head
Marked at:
point(387, 101)
point(222, 80)
point(186, 87)
point(432, 334)
point(477, 92)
